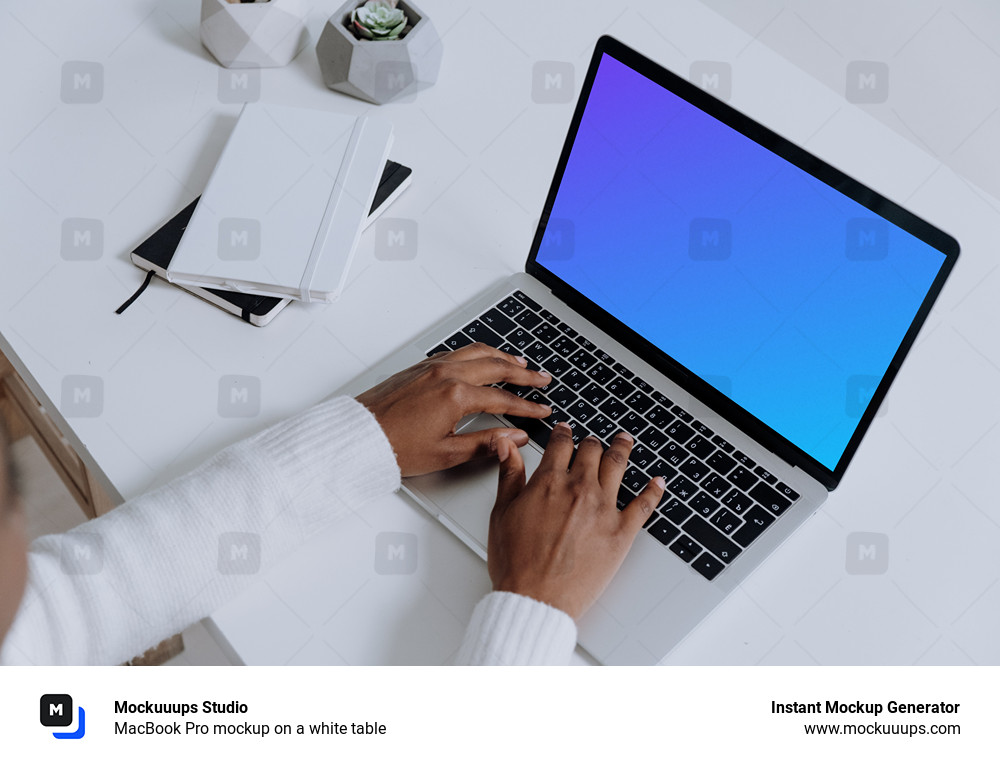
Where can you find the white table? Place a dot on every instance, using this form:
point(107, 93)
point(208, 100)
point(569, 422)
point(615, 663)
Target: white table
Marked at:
point(483, 143)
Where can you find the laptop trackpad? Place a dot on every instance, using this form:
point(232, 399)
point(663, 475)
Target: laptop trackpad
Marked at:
point(465, 494)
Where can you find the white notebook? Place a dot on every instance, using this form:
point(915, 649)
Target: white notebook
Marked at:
point(283, 210)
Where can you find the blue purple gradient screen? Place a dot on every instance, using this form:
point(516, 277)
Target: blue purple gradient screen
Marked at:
point(781, 292)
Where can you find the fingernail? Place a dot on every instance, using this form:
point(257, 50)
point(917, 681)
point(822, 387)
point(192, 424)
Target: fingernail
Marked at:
point(545, 374)
point(624, 435)
point(660, 482)
point(562, 424)
point(521, 360)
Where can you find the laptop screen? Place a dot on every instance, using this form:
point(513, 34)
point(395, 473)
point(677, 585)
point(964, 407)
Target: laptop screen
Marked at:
point(780, 292)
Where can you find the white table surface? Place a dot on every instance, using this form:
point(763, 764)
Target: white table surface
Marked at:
point(483, 147)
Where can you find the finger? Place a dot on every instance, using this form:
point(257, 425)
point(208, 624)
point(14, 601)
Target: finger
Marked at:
point(481, 351)
point(499, 402)
point(511, 480)
point(479, 444)
point(482, 371)
point(559, 450)
point(637, 513)
point(588, 456)
point(615, 460)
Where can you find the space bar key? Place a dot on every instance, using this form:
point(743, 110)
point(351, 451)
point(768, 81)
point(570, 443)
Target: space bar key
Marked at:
point(538, 430)
point(720, 545)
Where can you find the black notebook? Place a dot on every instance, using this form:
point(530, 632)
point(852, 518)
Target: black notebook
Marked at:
point(154, 254)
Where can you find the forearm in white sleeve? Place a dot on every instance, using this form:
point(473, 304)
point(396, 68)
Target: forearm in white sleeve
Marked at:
point(508, 629)
point(155, 561)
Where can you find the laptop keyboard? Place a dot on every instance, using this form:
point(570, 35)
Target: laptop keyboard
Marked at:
point(717, 500)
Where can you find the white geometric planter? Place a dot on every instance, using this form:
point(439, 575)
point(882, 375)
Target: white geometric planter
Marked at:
point(251, 35)
point(379, 71)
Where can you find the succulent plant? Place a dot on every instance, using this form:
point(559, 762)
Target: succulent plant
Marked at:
point(378, 20)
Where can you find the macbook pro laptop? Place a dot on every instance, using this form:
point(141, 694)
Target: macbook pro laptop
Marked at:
point(737, 304)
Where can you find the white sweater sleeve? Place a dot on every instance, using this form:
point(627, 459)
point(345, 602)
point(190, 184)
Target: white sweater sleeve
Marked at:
point(508, 629)
point(157, 563)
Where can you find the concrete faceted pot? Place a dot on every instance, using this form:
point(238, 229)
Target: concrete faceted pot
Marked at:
point(379, 71)
point(252, 35)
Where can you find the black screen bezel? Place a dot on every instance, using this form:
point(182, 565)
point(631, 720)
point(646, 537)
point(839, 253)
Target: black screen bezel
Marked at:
point(802, 159)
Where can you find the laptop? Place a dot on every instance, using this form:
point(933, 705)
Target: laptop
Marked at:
point(737, 304)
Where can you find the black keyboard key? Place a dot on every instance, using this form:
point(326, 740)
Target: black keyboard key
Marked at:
point(594, 394)
point(721, 462)
point(556, 366)
point(575, 380)
point(660, 416)
point(674, 509)
point(704, 504)
point(497, 321)
point(694, 469)
point(787, 491)
point(511, 307)
point(716, 486)
point(603, 428)
point(457, 341)
point(583, 360)
point(650, 521)
point(634, 424)
point(674, 453)
point(538, 430)
point(566, 330)
point(528, 319)
point(438, 350)
point(527, 301)
point(507, 348)
point(682, 488)
point(707, 566)
point(548, 316)
point(661, 399)
point(601, 373)
point(643, 385)
point(520, 339)
point(726, 521)
point(564, 346)
point(625, 496)
point(620, 387)
point(700, 447)
point(635, 479)
point(756, 521)
point(712, 539)
point(722, 444)
point(581, 411)
point(742, 478)
point(653, 438)
point(702, 429)
point(561, 397)
point(679, 431)
point(773, 501)
point(546, 333)
point(640, 402)
point(686, 548)
point(736, 501)
point(622, 370)
point(744, 459)
point(537, 352)
point(642, 457)
point(766, 475)
point(613, 408)
point(662, 468)
point(586, 344)
point(664, 531)
point(681, 413)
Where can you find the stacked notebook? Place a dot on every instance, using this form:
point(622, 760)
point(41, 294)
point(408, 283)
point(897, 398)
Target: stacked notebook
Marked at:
point(282, 213)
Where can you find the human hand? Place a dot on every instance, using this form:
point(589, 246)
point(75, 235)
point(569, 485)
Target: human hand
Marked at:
point(419, 407)
point(560, 538)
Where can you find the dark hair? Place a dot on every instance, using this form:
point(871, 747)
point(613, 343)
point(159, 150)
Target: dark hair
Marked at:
point(10, 474)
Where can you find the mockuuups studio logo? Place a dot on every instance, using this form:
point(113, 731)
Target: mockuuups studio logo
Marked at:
point(395, 553)
point(860, 390)
point(867, 553)
point(56, 712)
point(239, 396)
point(394, 81)
point(710, 239)
point(82, 82)
point(395, 239)
point(559, 240)
point(552, 82)
point(714, 76)
point(82, 553)
point(82, 396)
point(867, 82)
point(82, 239)
point(867, 239)
point(239, 553)
point(239, 239)
point(239, 86)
